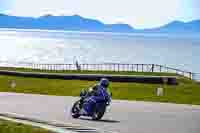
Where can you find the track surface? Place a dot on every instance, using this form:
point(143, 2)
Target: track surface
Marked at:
point(122, 116)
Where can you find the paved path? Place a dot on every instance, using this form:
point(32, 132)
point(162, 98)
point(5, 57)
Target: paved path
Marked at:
point(122, 116)
point(112, 77)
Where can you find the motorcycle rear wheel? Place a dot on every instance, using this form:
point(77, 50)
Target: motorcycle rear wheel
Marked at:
point(98, 114)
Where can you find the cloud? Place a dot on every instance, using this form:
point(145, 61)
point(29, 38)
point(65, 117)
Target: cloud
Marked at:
point(2, 5)
point(190, 10)
point(196, 7)
point(6, 5)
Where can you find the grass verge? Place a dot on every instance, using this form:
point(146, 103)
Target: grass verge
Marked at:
point(187, 92)
point(12, 127)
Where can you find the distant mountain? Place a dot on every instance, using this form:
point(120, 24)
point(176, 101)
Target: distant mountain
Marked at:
point(50, 22)
point(78, 23)
point(178, 27)
point(119, 28)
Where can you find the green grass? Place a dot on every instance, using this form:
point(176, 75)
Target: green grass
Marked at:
point(88, 72)
point(187, 92)
point(12, 127)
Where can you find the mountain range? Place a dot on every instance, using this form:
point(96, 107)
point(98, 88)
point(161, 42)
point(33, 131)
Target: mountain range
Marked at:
point(78, 23)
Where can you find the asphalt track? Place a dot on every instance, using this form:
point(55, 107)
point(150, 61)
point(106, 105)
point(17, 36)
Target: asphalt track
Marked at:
point(122, 116)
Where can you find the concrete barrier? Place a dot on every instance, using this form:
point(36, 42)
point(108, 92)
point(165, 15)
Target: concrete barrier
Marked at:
point(171, 80)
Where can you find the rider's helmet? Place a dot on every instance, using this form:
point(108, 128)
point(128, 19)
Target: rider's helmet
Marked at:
point(104, 82)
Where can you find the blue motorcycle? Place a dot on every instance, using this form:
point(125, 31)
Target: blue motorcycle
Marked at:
point(98, 109)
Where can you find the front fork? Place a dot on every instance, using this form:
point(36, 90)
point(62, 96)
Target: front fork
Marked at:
point(81, 102)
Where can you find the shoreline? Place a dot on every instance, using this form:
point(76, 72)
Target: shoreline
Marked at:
point(146, 34)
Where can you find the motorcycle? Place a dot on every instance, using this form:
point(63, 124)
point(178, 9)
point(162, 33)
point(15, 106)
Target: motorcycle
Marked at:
point(98, 109)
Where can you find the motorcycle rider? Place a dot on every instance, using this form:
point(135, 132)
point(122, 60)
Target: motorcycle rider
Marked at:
point(95, 94)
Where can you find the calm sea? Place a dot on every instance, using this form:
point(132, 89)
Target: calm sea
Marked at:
point(35, 46)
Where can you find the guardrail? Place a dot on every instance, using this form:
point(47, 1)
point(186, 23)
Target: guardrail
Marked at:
point(112, 67)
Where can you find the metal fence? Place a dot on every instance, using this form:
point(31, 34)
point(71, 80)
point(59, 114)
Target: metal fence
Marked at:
point(112, 67)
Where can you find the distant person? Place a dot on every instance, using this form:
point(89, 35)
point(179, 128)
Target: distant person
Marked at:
point(78, 67)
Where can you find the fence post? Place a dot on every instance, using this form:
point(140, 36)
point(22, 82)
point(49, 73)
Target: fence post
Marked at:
point(100, 68)
point(137, 67)
point(152, 67)
point(142, 67)
point(132, 67)
point(69, 67)
point(65, 67)
point(160, 68)
point(190, 75)
point(118, 67)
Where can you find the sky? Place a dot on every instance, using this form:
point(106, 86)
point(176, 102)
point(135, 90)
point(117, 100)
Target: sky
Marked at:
point(138, 13)
point(3, 5)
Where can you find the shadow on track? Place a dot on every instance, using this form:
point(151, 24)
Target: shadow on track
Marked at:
point(102, 120)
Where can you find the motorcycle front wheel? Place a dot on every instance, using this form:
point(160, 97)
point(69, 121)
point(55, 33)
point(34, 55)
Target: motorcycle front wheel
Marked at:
point(75, 111)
